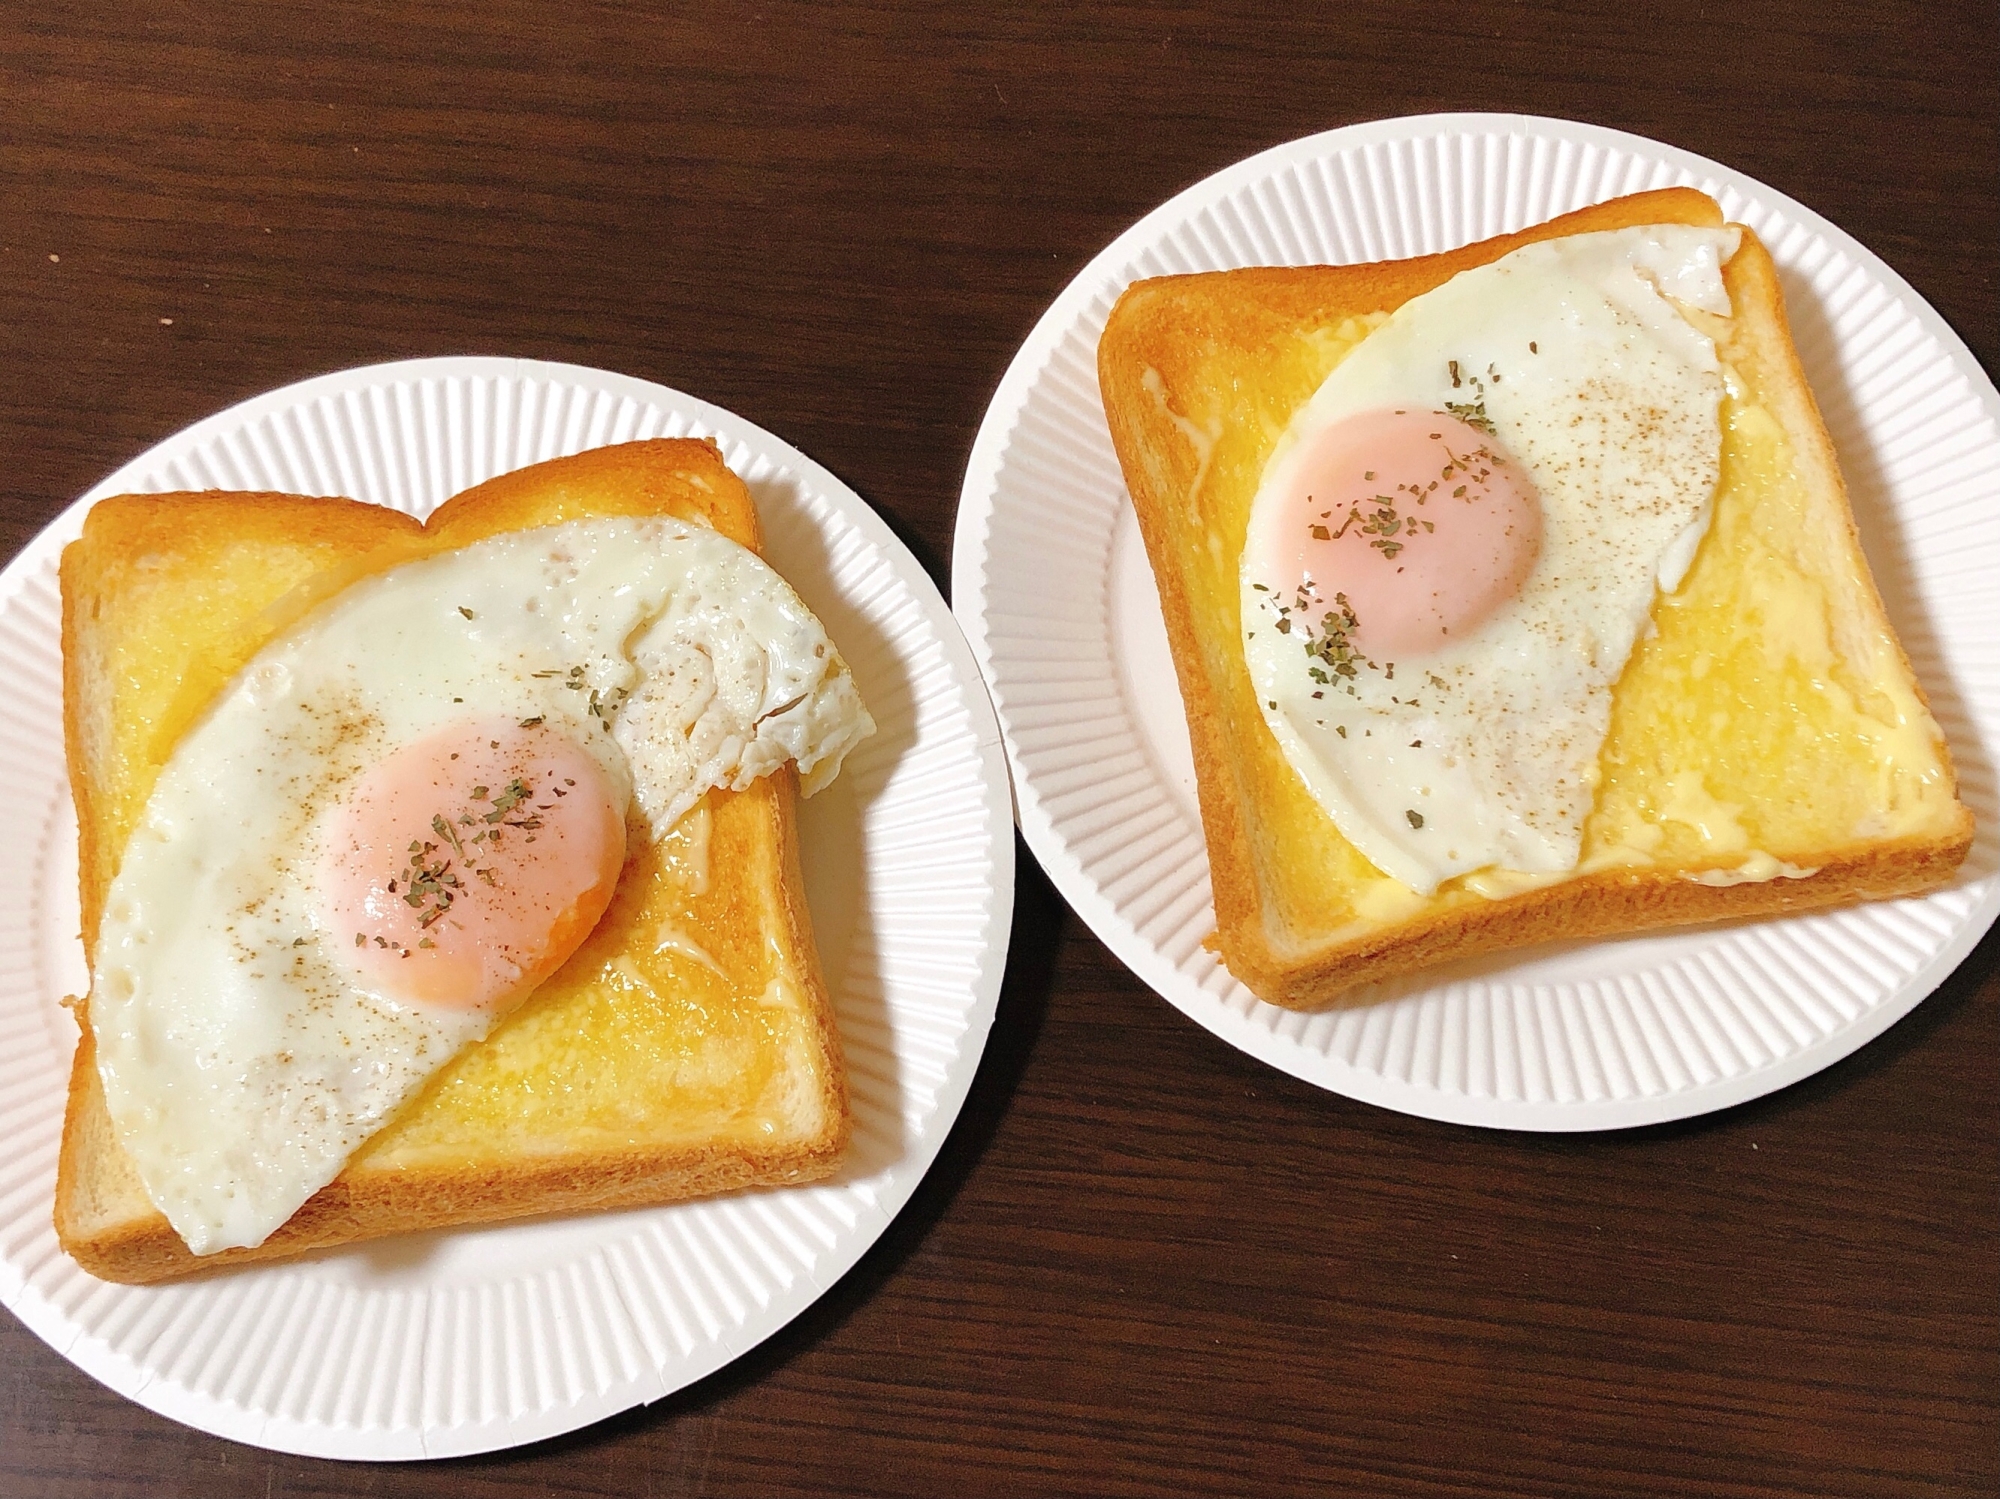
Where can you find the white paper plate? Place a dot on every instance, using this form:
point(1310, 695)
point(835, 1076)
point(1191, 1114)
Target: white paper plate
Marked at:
point(1052, 586)
point(455, 1343)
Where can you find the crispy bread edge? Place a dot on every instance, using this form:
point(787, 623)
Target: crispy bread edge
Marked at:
point(1315, 975)
point(677, 476)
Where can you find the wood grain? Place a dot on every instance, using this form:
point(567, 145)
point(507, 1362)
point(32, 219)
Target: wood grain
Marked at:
point(1144, 1263)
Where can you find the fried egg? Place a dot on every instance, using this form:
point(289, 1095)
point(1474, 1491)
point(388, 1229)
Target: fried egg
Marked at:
point(402, 816)
point(1459, 538)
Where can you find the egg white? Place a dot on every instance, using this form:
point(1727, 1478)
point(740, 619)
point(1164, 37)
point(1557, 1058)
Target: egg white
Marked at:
point(243, 1062)
point(1484, 753)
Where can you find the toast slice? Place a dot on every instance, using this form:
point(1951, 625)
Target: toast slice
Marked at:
point(688, 1047)
point(1770, 749)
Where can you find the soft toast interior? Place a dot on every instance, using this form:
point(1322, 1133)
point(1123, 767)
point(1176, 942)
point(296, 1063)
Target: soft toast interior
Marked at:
point(1769, 749)
point(688, 1047)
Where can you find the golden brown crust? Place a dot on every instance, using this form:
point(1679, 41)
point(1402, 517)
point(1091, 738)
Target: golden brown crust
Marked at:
point(101, 1215)
point(681, 476)
point(1159, 331)
point(1600, 904)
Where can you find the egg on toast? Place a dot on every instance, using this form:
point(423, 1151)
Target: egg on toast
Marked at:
point(1433, 718)
point(661, 1032)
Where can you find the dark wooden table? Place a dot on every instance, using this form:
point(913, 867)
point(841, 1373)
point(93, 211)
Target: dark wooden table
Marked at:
point(1143, 1263)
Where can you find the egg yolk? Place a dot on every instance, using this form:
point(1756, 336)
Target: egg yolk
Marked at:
point(1419, 520)
point(465, 867)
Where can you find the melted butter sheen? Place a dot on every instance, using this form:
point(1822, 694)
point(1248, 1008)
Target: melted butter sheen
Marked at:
point(670, 1021)
point(1744, 731)
point(1268, 378)
point(1744, 699)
